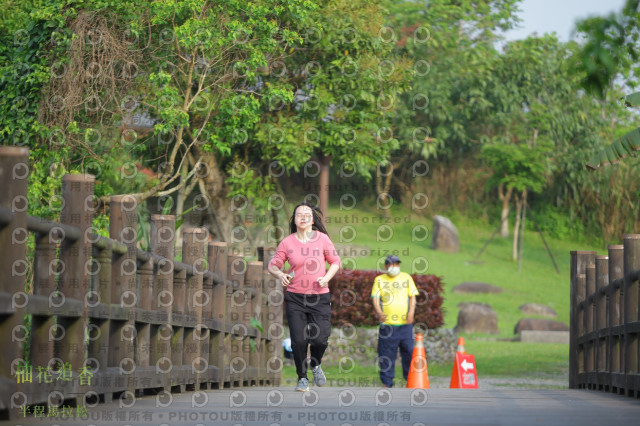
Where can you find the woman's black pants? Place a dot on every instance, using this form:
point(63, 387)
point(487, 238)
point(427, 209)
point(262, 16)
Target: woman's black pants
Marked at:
point(309, 317)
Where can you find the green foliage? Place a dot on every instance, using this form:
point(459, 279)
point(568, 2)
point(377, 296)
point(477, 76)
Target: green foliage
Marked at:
point(611, 49)
point(210, 90)
point(268, 86)
point(180, 217)
point(45, 182)
point(632, 100)
point(33, 51)
point(555, 223)
point(444, 113)
point(101, 225)
point(527, 95)
point(622, 147)
point(143, 231)
point(253, 322)
point(619, 149)
point(25, 33)
point(519, 167)
point(345, 79)
point(245, 183)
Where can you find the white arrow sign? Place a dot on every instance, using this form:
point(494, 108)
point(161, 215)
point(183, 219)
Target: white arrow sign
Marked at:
point(466, 365)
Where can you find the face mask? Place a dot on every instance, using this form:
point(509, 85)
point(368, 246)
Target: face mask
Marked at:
point(393, 271)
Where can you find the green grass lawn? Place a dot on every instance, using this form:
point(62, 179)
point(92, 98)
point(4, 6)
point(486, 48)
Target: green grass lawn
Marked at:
point(364, 229)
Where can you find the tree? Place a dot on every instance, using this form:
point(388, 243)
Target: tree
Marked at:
point(452, 45)
point(520, 168)
point(173, 64)
point(346, 81)
point(612, 49)
point(23, 72)
point(535, 98)
point(211, 96)
point(524, 93)
point(625, 146)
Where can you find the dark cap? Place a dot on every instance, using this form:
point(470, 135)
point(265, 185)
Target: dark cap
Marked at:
point(392, 258)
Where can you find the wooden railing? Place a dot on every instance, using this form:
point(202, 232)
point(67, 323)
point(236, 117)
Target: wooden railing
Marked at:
point(604, 319)
point(106, 320)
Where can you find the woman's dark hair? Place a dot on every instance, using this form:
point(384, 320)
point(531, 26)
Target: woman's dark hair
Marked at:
point(317, 218)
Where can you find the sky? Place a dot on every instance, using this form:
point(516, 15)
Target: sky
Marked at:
point(559, 16)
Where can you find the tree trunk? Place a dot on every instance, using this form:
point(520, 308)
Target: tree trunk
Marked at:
point(383, 186)
point(516, 228)
point(214, 189)
point(524, 217)
point(504, 215)
point(520, 200)
point(182, 197)
point(323, 191)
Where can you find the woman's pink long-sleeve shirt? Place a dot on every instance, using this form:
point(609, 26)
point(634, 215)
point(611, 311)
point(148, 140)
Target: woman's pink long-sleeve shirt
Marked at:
point(307, 260)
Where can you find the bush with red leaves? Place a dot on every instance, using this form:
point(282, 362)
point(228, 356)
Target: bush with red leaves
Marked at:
point(351, 299)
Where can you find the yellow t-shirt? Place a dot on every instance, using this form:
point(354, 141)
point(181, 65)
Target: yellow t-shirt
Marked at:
point(394, 294)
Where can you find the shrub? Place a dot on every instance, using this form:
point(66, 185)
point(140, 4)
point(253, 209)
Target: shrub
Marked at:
point(351, 299)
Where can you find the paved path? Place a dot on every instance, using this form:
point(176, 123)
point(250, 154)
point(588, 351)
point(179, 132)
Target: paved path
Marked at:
point(364, 406)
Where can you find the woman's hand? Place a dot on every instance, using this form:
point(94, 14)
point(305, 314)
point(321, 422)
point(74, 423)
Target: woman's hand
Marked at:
point(323, 281)
point(285, 279)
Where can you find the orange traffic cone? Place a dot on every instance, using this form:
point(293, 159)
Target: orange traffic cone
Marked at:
point(418, 374)
point(464, 374)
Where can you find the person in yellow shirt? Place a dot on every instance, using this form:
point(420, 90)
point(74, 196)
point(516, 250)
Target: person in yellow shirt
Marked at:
point(394, 299)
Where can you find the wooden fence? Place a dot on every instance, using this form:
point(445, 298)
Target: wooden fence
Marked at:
point(106, 320)
point(604, 319)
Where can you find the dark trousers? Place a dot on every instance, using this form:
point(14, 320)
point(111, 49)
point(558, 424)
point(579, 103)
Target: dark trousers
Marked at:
point(309, 317)
point(390, 338)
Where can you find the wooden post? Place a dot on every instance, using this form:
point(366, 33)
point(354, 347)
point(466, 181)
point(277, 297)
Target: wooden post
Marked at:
point(579, 262)
point(100, 318)
point(273, 328)
point(236, 269)
point(196, 338)
point(631, 301)
point(581, 280)
point(275, 300)
point(602, 280)
point(42, 350)
point(254, 282)
point(208, 376)
point(589, 320)
point(162, 236)
point(144, 376)
point(14, 176)
point(264, 320)
point(616, 273)
point(180, 295)
point(123, 227)
point(218, 356)
point(179, 373)
point(74, 282)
